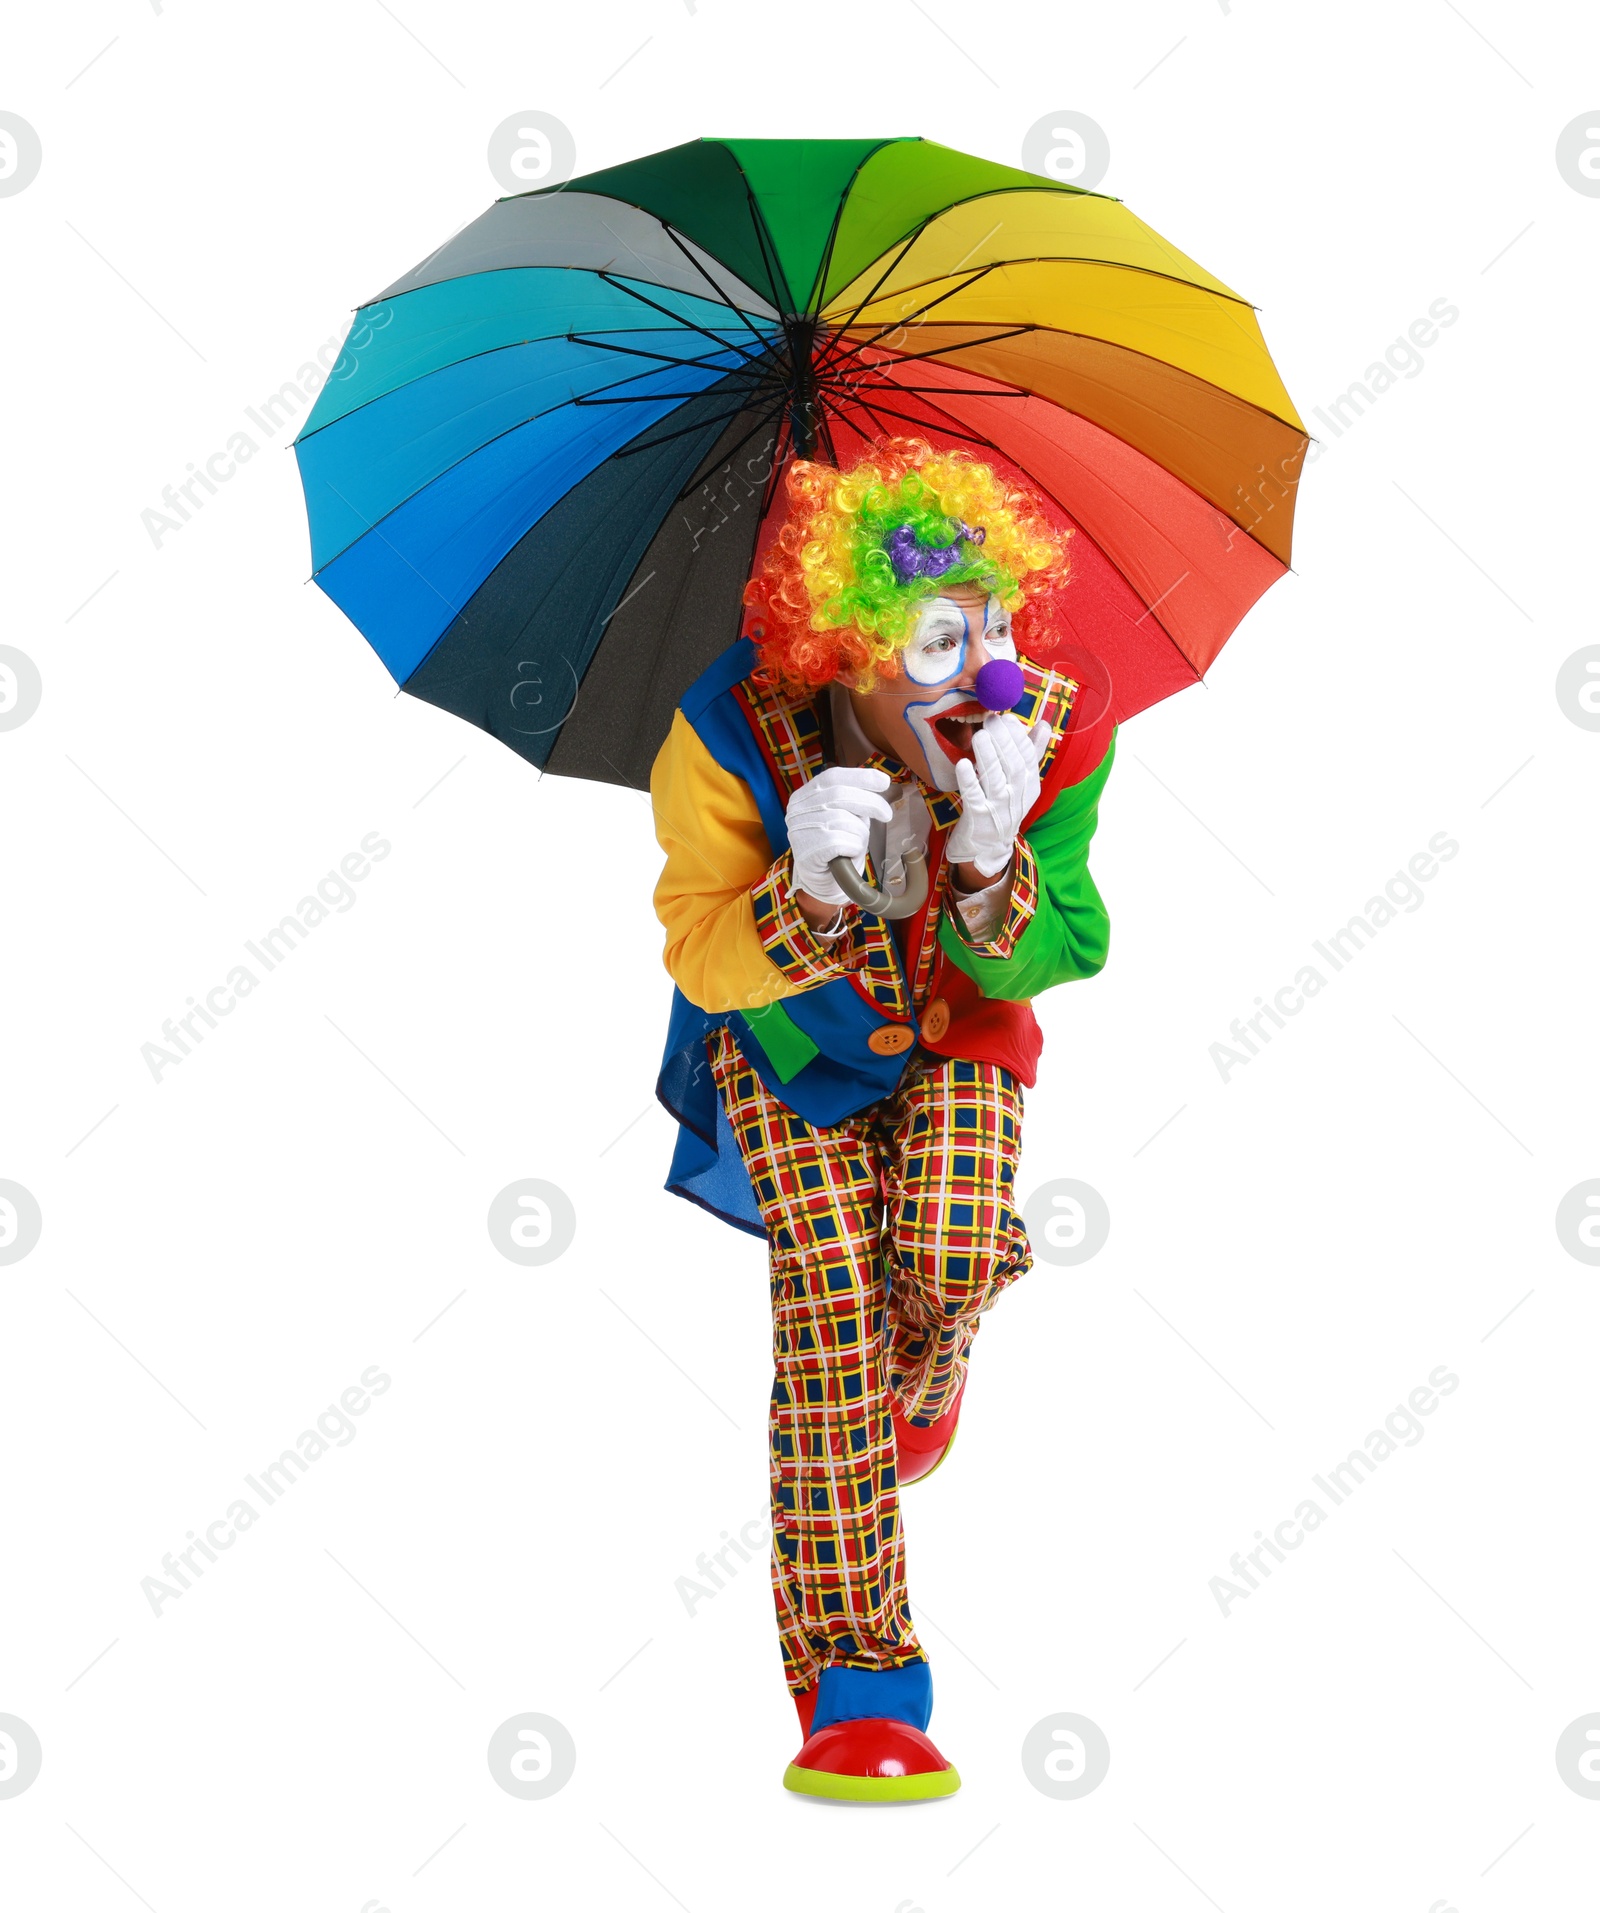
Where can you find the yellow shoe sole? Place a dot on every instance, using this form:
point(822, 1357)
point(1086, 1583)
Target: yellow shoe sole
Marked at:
point(871, 1792)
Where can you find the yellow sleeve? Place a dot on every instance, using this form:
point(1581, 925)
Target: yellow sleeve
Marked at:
point(708, 825)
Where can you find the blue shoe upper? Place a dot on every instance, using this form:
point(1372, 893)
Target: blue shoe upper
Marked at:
point(873, 1693)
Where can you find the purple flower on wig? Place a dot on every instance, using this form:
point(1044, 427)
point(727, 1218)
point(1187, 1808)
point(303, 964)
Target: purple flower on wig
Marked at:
point(911, 560)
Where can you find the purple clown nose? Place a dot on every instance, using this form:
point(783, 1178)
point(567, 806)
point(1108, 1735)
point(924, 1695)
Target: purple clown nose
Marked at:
point(999, 684)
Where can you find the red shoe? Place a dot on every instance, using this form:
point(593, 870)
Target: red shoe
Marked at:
point(919, 1451)
point(879, 1762)
point(805, 1705)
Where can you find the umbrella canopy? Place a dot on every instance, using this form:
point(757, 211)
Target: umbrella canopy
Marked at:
point(546, 458)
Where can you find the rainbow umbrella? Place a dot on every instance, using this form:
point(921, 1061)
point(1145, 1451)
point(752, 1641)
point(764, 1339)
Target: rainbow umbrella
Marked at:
point(546, 458)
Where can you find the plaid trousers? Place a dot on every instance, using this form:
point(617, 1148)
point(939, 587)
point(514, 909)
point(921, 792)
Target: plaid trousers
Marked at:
point(890, 1234)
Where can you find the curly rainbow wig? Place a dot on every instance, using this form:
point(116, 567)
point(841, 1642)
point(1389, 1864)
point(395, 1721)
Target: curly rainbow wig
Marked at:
point(862, 550)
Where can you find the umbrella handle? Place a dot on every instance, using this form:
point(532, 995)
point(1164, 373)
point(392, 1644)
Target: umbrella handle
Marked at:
point(883, 901)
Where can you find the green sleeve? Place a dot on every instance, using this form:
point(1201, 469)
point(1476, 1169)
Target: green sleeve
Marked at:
point(1068, 934)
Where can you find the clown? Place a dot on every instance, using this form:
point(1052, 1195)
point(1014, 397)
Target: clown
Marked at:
point(849, 1083)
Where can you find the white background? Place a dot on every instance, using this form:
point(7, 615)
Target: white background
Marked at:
point(1289, 1257)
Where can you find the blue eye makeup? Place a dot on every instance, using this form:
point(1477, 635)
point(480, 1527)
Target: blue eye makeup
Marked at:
point(997, 631)
point(938, 651)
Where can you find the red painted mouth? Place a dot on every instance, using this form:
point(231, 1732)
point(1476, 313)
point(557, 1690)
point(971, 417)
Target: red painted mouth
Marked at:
point(955, 729)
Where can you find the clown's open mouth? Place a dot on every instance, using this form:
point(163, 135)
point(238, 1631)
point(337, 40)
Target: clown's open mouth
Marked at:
point(955, 730)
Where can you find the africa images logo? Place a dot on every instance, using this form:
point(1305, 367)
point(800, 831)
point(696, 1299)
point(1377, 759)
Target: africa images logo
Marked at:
point(1401, 1427)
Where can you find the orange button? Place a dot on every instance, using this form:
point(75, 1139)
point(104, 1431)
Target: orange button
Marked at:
point(891, 1039)
point(936, 1020)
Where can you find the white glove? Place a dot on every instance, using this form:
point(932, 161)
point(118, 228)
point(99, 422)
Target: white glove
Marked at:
point(997, 791)
point(830, 817)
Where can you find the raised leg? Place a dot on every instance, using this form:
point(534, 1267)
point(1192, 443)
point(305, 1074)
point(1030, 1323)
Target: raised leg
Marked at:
point(954, 1240)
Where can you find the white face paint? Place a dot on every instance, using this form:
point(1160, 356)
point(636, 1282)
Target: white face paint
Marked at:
point(937, 650)
point(936, 654)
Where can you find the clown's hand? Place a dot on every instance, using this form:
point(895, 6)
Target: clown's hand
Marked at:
point(830, 817)
point(998, 789)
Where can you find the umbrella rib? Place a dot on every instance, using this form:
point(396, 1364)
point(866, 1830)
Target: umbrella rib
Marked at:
point(667, 312)
point(512, 345)
point(836, 407)
point(988, 444)
point(1083, 259)
point(721, 295)
point(505, 432)
point(962, 345)
point(997, 391)
point(638, 352)
point(727, 375)
point(647, 398)
point(769, 252)
point(746, 372)
point(826, 265)
point(922, 311)
point(949, 425)
point(597, 341)
point(1130, 352)
point(922, 226)
point(780, 462)
point(696, 482)
point(718, 418)
point(911, 240)
point(372, 526)
point(838, 411)
point(885, 431)
point(851, 382)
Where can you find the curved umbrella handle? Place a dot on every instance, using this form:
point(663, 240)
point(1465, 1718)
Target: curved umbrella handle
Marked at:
point(885, 902)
